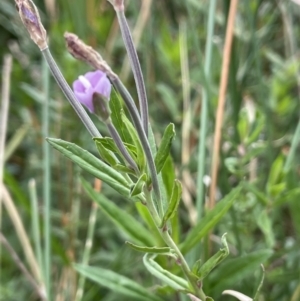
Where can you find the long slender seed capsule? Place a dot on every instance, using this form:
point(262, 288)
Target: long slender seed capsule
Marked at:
point(134, 62)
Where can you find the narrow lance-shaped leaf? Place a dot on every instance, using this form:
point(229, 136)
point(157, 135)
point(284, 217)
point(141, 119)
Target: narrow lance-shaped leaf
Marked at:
point(164, 147)
point(91, 164)
point(233, 270)
point(135, 230)
point(174, 202)
point(209, 221)
point(141, 160)
point(108, 143)
point(138, 187)
point(124, 169)
point(115, 104)
point(105, 154)
point(212, 262)
point(153, 250)
point(117, 283)
point(168, 278)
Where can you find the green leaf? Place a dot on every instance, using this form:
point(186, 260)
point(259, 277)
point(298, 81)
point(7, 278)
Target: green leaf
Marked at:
point(243, 125)
point(276, 173)
point(209, 221)
point(265, 224)
point(234, 270)
point(152, 142)
point(168, 278)
point(168, 177)
point(120, 217)
point(212, 262)
point(260, 196)
point(140, 156)
point(105, 154)
point(108, 143)
point(260, 124)
point(153, 250)
point(115, 105)
point(174, 202)
point(164, 147)
point(116, 283)
point(138, 187)
point(124, 169)
point(288, 196)
point(91, 164)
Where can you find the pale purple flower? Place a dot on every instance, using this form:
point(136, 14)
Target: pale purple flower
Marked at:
point(89, 86)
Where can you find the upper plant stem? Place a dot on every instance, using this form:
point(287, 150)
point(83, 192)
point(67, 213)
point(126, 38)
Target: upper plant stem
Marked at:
point(204, 108)
point(136, 69)
point(70, 95)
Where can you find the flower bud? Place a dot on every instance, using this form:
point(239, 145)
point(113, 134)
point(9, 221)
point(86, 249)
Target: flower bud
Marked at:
point(101, 107)
point(31, 19)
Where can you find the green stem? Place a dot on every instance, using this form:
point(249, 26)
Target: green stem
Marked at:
point(184, 265)
point(170, 243)
point(204, 108)
point(36, 225)
point(46, 183)
point(87, 250)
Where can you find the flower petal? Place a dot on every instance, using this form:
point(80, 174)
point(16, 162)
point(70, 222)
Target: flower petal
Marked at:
point(90, 84)
point(94, 77)
point(103, 87)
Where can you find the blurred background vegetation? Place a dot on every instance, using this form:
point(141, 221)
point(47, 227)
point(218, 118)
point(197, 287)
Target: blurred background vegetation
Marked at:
point(261, 117)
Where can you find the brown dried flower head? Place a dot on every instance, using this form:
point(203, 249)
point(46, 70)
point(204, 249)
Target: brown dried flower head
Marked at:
point(83, 52)
point(31, 19)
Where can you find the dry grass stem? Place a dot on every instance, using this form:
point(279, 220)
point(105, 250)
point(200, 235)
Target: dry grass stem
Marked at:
point(21, 266)
point(21, 232)
point(7, 65)
point(50, 6)
point(221, 101)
